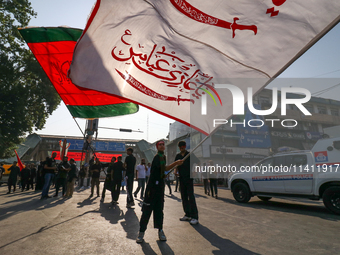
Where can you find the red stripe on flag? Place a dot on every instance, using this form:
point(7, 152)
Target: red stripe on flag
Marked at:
point(55, 58)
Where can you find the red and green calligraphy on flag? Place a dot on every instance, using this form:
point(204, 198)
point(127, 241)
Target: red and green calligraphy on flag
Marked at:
point(53, 48)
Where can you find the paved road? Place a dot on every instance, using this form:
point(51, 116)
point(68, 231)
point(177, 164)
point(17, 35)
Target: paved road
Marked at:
point(83, 225)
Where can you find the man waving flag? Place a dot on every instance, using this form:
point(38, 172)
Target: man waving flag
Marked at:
point(177, 57)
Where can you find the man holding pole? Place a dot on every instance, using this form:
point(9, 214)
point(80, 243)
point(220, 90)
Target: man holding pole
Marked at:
point(187, 184)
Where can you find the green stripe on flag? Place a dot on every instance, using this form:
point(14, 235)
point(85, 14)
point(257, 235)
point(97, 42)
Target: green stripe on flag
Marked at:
point(102, 111)
point(50, 34)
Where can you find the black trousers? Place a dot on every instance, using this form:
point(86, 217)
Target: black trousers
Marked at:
point(10, 183)
point(206, 186)
point(116, 190)
point(107, 186)
point(129, 188)
point(167, 182)
point(60, 182)
point(156, 206)
point(188, 197)
point(177, 183)
point(31, 181)
point(25, 183)
point(213, 186)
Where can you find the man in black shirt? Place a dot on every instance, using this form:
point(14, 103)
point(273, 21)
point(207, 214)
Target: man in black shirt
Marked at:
point(33, 175)
point(154, 193)
point(12, 179)
point(95, 169)
point(130, 162)
point(187, 184)
point(108, 179)
point(25, 176)
point(71, 178)
point(117, 177)
point(63, 169)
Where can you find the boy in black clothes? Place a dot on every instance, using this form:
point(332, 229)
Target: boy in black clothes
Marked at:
point(154, 193)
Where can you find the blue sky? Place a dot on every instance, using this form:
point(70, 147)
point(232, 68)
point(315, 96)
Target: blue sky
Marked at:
point(322, 61)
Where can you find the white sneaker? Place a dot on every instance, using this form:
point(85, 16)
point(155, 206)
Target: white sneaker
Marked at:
point(140, 237)
point(161, 235)
point(194, 221)
point(185, 218)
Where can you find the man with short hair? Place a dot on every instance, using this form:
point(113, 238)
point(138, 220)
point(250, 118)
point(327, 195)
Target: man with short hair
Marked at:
point(130, 162)
point(96, 169)
point(141, 170)
point(187, 184)
point(49, 169)
point(13, 176)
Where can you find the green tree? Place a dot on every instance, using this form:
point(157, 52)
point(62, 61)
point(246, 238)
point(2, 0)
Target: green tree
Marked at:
point(27, 97)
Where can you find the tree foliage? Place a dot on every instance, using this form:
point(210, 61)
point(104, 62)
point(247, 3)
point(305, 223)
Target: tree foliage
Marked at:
point(27, 97)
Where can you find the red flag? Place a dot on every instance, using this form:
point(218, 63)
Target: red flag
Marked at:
point(21, 166)
point(53, 48)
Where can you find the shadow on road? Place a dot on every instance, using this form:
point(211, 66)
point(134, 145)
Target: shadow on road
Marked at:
point(111, 213)
point(46, 228)
point(33, 203)
point(312, 209)
point(146, 248)
point(174, 198)
point(23, 197)
point(165, 248)
point(87, 201)
point(224, 246)
point(131, 224)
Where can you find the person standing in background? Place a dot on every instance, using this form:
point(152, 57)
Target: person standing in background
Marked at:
point(13, 176)
point(117, 177)
point(130, 163)
point(205, 180)
point(95, 169)
point(108, 179)
point(213, 181)
point(141, 171)
point(71, 178)
point(33, 176)
point(49, 169)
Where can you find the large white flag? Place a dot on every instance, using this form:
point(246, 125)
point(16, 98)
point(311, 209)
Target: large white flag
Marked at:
point(173, 55)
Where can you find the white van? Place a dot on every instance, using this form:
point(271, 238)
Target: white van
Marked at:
point(311, 174)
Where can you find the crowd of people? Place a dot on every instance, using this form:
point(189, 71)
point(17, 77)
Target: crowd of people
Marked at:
point(24, 178)
point(152, 179)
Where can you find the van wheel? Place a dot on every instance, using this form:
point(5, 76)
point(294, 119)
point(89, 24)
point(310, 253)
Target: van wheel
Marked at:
point(331, 199)
point(241, 193)
point(264, 198)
